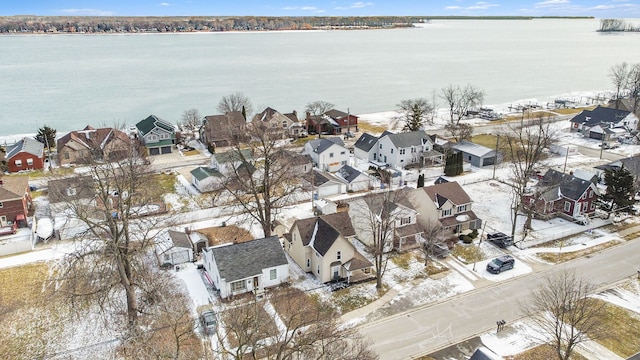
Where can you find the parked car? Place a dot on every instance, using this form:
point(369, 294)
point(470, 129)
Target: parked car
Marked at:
point(500, 264)
point(209, 322)
point(349, 135)
point(500, 239)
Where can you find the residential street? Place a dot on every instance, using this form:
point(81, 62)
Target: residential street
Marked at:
point(427, 329)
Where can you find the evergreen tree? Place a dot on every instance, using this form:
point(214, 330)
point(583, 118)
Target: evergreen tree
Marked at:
point(453, 164)
point(47, 136)
point(620, 189)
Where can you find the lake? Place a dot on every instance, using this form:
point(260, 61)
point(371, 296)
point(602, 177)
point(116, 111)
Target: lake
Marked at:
point(69, 81)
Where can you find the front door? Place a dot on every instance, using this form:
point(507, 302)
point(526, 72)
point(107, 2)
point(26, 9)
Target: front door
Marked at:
point(255, 283)
point(336, 272)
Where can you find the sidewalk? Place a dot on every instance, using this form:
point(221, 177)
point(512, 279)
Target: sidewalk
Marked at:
point(369, 308)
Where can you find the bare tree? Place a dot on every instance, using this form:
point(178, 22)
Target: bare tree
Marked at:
point(191, 120)
point(289, 325)
point(633, 86)
point(619, 75)
point(525, 148)
point(565, 314)
point(459, 101)
point(316, 109)
point(431, 234)
point(112, 234)
point(235, 102)
point(264, 179)
point(415, 113)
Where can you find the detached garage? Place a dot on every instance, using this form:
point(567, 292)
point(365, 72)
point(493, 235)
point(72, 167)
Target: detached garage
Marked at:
point(475, 154)
point(173, 247)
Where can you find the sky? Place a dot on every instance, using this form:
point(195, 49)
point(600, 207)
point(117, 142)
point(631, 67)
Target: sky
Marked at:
point(596, 8)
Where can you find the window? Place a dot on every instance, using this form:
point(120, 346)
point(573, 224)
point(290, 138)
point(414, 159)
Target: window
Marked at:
point(462, 208)
point(380, 146)
point(29, 162)
point(402, 151)
point(593, 206)
point(413, 150)
point(308, 263)
point(71, 191)
point(339, 255)
point(590, 194)
point(238, 285)
point(342, 152)
point(567, 206)
point(330, 155)
point(284, 124)
point(18, 163)
point(446, 212)
point(343, 162)
point(405, 221)
point(318, 269)
point(66, 155)
point(392, 150)
point(1, 205)
point(273, 274)
point(317, 254)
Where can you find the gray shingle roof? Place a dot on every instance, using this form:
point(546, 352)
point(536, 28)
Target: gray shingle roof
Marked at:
point(247, 259)
point(28, 145)
point(600, 114)
point(320, 145)
point(365, 142)
point(348, 173)
point(407, 139)
point(570, 186)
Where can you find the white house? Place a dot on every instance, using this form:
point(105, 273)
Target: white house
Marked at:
point(326, 184)
point(328, 154)
point(405, 149)
point(173, 247)
point(354, 179)
point(364, 148)
point(250, 266)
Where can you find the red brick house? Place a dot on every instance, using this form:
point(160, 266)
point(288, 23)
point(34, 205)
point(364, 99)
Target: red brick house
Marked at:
point(15, 200)
point(563, 195)
point(334, 122)
point(26, 154)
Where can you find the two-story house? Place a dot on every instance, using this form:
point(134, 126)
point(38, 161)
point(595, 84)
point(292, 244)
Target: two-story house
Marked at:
point(223, 130)
point(413, 148)
point(83, 146)
point(332, 122)
point(603, 123)
point(328, 154)
point(324, 246)
point(157, 135)
point(566, 195)
point(388, 210)
point(250, 266)
point(26, 154)
point(281, 125)
point(447, 204)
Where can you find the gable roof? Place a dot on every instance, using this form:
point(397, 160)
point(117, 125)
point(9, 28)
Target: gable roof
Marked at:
point(27, 145)
point(365, 142)
point(440, 193)
point(330, 227)
point(473, 149)
point(179, 239)
point(91, 138)
point(82, 185)
point(570, 186)
point(407, 139)
point(600, 114)
point(348, 173)
point(248, 259)
point(320, 145)
point(151, 122)
point(201, 173)
point(632, 164)
point(336, 114)
point(13, 187)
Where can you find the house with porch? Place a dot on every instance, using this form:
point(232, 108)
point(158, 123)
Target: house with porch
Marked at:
point(15, 201)
point(324, 246)
point(281, 125)
point(88, 144)
point(604, 123)
point(25, 154)
point(406, 149)
point(565, 195)
point(157, 135)
point(445, 203)
point(328, 154)
point(223, 130)
point(251, 266)
point(332, 122)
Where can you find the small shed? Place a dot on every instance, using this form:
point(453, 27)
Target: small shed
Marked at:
point(173, 248)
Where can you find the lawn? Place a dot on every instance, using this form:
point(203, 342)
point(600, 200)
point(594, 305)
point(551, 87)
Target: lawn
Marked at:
point(621, 331)
point(225, 234)
point(21, 285)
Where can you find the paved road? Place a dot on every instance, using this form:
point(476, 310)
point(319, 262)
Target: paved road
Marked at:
point(430, 328)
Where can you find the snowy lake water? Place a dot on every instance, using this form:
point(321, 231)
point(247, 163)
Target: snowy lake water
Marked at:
point(69, 81)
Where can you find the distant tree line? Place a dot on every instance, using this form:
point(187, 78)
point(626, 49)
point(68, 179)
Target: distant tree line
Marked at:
point(607, 25)
point(77, 24)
